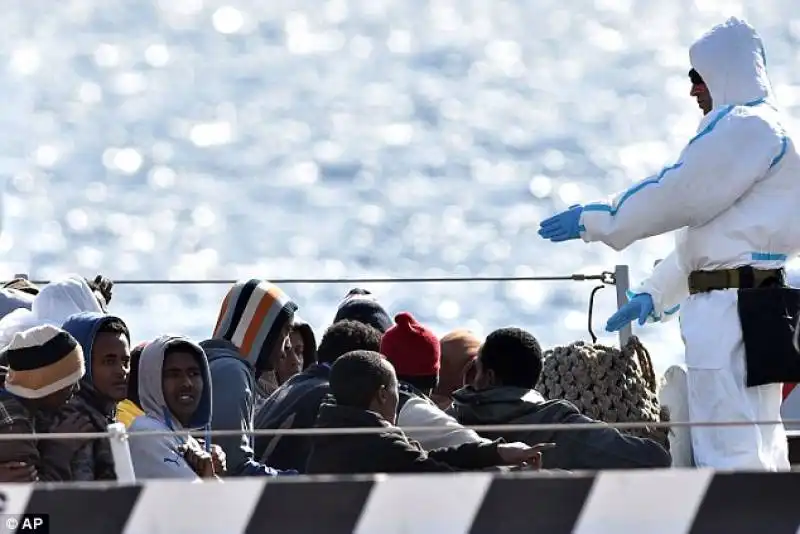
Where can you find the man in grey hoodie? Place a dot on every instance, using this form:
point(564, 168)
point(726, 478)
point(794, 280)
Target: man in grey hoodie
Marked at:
point(175, 393)
point(253, 324)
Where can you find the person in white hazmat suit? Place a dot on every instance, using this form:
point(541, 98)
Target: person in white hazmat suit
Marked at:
point(733, 197)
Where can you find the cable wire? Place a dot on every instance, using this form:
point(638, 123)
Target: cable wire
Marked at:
point(606, 277)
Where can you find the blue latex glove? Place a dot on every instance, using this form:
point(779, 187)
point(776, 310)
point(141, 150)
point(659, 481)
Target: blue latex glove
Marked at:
point(562, 227)
point(639, 307)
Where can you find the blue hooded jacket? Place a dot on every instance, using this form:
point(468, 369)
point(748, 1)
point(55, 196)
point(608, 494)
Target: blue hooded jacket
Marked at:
point(93, 461)
point(158, 456)
point(84, 327)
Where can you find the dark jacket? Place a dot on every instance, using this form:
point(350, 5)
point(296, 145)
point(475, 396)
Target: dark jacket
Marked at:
point(603, 448)
point(233, 383)
point(93, 460)
point(387, 452)
point(293, 405)
point(48, 455)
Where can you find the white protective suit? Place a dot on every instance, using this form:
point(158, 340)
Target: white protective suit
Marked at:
point(733, 196)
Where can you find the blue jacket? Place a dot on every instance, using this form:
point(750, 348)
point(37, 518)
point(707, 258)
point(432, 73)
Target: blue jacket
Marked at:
point(233, 381)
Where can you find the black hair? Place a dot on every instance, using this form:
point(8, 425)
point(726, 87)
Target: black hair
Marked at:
point(180, 346)
point(358, 375)
point(514, 356)
point(358, 291)
point(133, 378)
point(102, 285)
point(426, 384)
point(115, 326)
point(309, 343)
point(347, 336)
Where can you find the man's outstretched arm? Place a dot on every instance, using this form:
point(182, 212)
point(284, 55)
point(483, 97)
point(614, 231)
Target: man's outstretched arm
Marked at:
point(715, 169)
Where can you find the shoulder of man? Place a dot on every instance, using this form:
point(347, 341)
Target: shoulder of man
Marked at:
point(407, 392)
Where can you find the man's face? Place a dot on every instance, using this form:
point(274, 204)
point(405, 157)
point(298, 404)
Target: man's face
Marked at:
point(386, 401)
point(277, 350)
point(111, 365)
point(700, 92)
point(182, 383)
point(297, 345)
point(53, 402)
point(291, 361)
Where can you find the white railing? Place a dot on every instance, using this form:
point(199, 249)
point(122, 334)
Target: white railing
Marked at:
point(119, 437)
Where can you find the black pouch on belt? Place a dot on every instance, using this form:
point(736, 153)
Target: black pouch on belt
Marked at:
point(768, 316)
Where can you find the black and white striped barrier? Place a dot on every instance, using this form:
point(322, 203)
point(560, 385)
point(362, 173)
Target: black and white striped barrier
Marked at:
point(653, 502)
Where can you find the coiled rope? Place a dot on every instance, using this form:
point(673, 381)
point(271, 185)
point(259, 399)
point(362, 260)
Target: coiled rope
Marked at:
point(607, 384)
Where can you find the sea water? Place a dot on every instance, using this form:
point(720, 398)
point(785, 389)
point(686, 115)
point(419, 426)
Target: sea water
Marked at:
point(200, 139)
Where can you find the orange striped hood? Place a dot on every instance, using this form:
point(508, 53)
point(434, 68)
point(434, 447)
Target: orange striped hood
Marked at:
point(252, 317)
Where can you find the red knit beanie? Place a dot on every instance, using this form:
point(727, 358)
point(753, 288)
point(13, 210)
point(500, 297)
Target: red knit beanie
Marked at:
point(413, 350)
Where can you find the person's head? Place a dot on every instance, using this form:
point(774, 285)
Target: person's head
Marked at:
point(347, 336)
point(64, 297)
point(175, 383)
point(730, 62)
point(105, 341)
point(366, 380)
point(304, 342)
point(102, 288)
point(256, 316)
point(299, 351)
point(24, 285)
point(289, 363)
point(182, 381)
point(700, 92)
point(414, 352)
point(45, 364)
point(133, 377)
point(360, 305)
point(508, 357)
point(459, 350)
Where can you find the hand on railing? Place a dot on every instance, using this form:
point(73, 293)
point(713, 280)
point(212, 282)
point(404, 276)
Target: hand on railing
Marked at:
point(522, 454)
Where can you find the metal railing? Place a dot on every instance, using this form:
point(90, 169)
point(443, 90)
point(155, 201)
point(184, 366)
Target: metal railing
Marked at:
point(543, 427)
point(123, 461)
point(619, 278)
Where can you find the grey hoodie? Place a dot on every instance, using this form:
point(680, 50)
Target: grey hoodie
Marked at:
point(158, 456)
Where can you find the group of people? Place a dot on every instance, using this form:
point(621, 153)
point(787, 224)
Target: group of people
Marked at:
point(70, 366)
point(730, 195)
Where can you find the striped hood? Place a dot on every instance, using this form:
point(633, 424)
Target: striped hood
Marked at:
point(252, 317)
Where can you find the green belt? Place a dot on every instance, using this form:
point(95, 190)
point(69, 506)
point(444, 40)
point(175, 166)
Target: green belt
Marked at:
point(742, 278)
